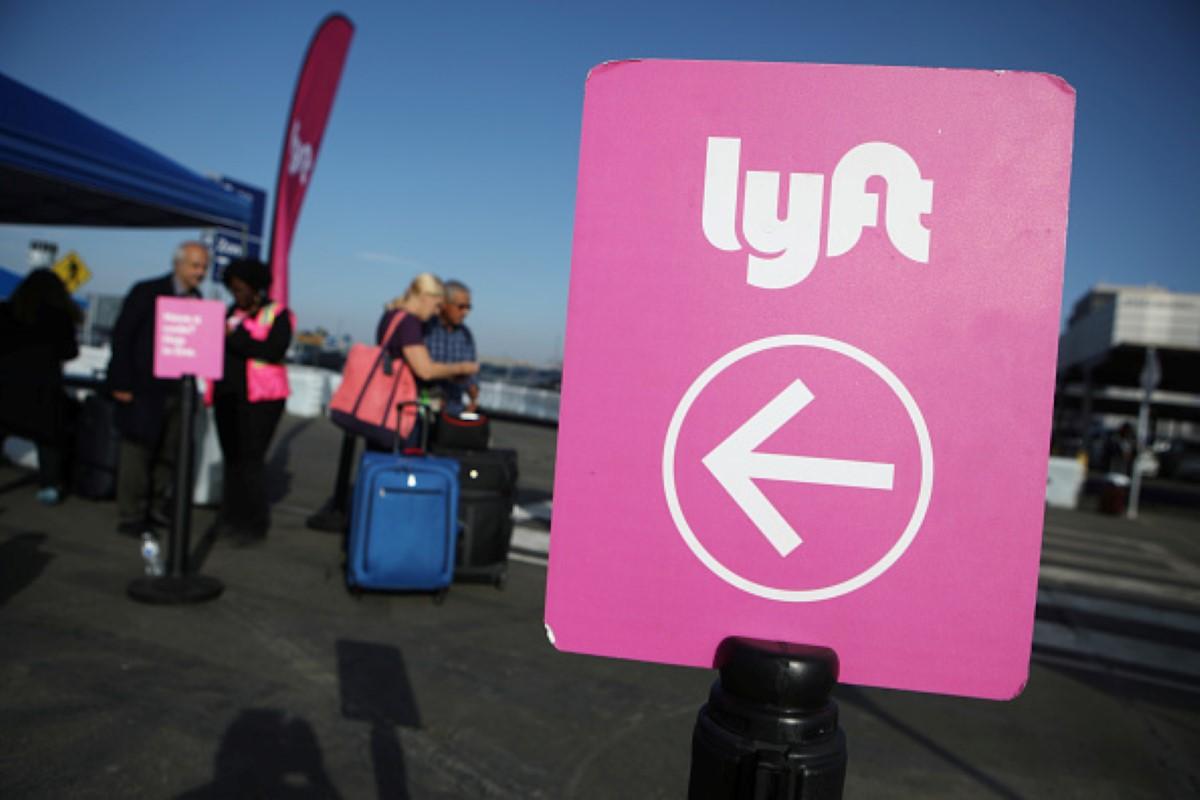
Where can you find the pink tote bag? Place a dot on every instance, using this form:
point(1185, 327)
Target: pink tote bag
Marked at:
point(373, 385)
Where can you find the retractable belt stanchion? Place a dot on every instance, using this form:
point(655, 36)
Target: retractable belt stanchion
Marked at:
point(770, 728)
point(179, 585)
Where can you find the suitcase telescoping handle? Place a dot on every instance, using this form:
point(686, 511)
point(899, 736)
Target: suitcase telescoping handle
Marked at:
point(423, 413)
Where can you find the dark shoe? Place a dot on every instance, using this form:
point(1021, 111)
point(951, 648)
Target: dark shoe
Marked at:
point(328, 519)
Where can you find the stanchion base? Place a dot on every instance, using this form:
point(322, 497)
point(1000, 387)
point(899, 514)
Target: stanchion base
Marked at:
point(172, 591)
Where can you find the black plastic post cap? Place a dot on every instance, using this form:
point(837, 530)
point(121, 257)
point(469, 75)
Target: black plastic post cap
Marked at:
point(786, 676)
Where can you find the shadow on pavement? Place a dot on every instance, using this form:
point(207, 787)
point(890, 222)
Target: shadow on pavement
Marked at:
point(21, 480)
point(855, 697)
point(279, 485)
point(1120, 680)
point(279, 477)
point(1118, 670)
point(21, 562)
point(374, 688)
point(267, 753)
point(201, 550)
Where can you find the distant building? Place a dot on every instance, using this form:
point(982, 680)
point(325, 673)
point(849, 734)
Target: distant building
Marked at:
point(1112, 318)
point(1103, 352)
point(312, 338)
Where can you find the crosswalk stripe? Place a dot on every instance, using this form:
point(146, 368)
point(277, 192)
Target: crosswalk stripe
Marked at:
point(1105, 548)
point(1095, 538)
point(531, 540)
point(1162, 572)
point(1116, 649)
point(539, 561)
point(1087, 580)
point(1121, 611)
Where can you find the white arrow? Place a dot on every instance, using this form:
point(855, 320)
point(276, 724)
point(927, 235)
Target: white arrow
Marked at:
point(735, 465)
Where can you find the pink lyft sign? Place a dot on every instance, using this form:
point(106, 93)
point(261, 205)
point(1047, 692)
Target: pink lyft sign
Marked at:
point(189, 338)
point(809, 367)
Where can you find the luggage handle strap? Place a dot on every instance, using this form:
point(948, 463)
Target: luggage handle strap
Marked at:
point(385, 359)
point(423, 412)
point(383, 362)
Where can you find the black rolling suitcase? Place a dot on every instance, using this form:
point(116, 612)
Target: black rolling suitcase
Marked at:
point(97, 449)
point(487, 482)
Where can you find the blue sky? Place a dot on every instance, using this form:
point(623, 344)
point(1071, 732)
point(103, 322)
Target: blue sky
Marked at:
point(453, 144)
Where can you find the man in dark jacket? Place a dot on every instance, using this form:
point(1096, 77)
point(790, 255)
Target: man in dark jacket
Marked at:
point(148, 407)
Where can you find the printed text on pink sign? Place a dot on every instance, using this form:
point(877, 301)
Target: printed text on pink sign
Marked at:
point(791, 245)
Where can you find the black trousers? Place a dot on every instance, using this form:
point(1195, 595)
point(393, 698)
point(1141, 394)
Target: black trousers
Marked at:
point(245, 430)
point(146, 476)
point(55, 450)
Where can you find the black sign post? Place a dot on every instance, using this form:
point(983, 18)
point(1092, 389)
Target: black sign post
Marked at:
point(180, 585)
point(770, 727)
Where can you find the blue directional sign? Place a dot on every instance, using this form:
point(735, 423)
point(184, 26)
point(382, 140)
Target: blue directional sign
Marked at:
point(229, 245)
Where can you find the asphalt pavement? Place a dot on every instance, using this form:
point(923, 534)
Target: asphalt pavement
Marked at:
point(288, 686)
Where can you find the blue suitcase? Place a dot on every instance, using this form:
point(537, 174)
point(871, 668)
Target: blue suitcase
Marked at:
point(403, 523)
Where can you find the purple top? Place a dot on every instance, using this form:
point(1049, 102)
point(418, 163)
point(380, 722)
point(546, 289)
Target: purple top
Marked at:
point(409, 331)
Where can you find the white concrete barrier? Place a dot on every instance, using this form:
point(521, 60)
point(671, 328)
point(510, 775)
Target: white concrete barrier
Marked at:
point(207, 461)
point(312, 388)
point(92, 362)
point(521, 401)
point(1064, 481)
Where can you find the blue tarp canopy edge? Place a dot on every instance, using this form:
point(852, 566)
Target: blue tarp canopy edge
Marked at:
point(58, 167)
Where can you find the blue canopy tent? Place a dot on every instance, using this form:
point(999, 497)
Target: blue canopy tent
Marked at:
point(8, 282)
point(58, 167)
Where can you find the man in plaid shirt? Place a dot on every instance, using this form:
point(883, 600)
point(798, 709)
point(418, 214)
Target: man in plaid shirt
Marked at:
point(448, 339)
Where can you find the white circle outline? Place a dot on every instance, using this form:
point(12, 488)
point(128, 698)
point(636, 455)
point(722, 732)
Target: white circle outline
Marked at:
point(798, 595)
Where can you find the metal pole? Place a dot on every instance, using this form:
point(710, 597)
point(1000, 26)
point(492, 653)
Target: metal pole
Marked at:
point(1143, 427)
point(181, 522)
point(770, 727)
point(1085, 412)
point(178, 586)
point(1150, 377)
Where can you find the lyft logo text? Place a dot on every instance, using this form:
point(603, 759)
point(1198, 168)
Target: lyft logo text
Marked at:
point(789, 246)
point(300, 154)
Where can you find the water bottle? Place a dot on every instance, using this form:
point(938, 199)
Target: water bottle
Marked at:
point(152, 555)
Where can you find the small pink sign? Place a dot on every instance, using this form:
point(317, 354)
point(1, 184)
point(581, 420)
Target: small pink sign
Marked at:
point(189, 338)
point(809, 366)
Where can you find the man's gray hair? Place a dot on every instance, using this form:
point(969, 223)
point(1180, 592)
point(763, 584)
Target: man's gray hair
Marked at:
point(184, 246)
point(453, 287)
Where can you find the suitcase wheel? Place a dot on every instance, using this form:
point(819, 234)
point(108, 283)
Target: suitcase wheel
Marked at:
point(439, 597)
point(502, 580)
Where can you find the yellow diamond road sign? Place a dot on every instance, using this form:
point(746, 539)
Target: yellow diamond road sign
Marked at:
point(73, 271)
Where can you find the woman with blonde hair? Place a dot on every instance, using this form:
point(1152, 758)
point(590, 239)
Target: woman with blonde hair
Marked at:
point(419, 303)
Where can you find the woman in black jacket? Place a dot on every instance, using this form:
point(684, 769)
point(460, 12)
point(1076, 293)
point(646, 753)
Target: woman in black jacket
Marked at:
point(37, 334)
point(249, 399)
